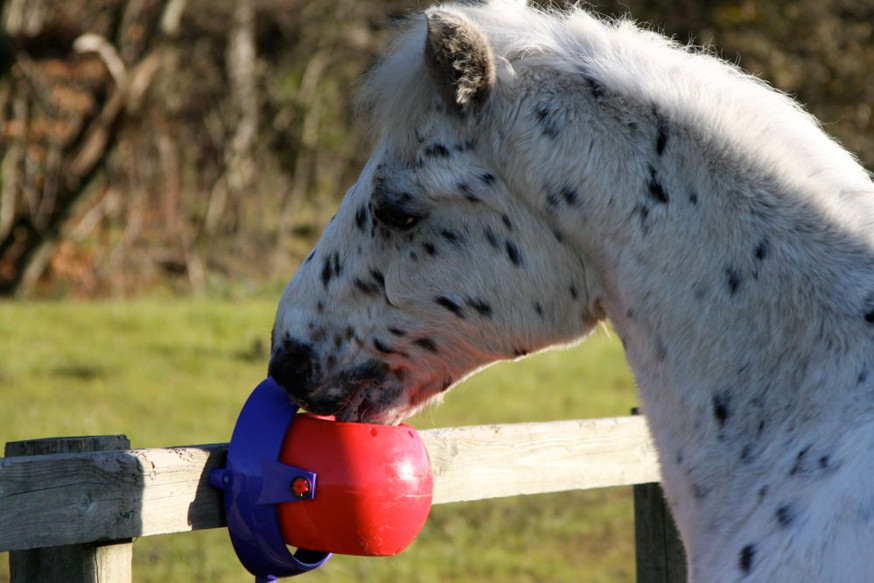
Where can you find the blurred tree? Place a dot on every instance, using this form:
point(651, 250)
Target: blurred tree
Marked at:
point(154, 140)
point(65, 94)
point(186, 141)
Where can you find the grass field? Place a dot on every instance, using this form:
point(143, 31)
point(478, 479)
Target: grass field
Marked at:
point(174, 372)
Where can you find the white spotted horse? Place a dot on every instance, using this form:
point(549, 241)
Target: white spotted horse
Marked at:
point(536, 172)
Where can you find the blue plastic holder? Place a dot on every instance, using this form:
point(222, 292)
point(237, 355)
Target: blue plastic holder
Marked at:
point(254, 481)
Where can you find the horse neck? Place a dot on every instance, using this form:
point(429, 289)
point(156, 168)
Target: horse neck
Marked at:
point(735, 261)
point(740, 298)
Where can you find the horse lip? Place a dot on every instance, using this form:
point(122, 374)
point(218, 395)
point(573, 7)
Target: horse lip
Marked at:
point(318, 407)
point(345, 392)
point(367, 374)
point(359, 410)
point(372, 390)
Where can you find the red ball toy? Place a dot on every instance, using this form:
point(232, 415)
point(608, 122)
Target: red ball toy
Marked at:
point(320, 485)
point(374, 486)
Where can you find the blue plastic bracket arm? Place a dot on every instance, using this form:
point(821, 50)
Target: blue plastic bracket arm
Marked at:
point(277, 479)
point(254, 480)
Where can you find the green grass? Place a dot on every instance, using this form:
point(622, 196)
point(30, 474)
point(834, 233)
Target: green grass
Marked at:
point(172, 372)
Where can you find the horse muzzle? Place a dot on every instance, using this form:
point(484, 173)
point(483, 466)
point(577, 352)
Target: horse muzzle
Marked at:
point(296, 367)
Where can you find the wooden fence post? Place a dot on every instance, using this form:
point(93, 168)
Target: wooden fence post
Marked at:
point(105, 562)
point(657, 546)
point(658, 549)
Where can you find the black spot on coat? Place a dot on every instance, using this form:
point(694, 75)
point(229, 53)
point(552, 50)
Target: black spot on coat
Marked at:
point(546, 120)
point(338, 267)
point(482, 307)
point(761, 250)
point(733, 280)
point(382, 347)
point(661, 138)
point(447, 303)
point(361, 217)
point(800, 465)
point(513, 253)
point(552, 199)
point(451, 236)
point(785, 516)
point(436, 151)
point(426, 343)
point(330, 268)
point(365, 286)
point(464, 188)
point(722, 407)
point(491, 237)
point(747, 556)
point(378, 277)
point(655, 190)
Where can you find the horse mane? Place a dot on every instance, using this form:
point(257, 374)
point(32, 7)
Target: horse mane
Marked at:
point(683, 83)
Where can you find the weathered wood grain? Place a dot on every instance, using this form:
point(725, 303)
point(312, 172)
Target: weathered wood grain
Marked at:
point(64, 499)
point(475, 463)
point(76, 498)
point(77, 563)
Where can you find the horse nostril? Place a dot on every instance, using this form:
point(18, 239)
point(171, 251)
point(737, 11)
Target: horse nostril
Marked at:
point(293, 366)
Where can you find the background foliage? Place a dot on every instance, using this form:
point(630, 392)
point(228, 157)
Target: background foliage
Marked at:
point(190, 143)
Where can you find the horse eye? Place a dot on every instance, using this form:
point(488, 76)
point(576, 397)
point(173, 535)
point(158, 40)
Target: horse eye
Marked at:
point(393, 209)
point(394, 215)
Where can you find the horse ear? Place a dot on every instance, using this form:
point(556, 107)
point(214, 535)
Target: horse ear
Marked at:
point(459, 59)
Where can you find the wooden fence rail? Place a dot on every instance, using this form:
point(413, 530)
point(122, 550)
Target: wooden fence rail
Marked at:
point(116, 495)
